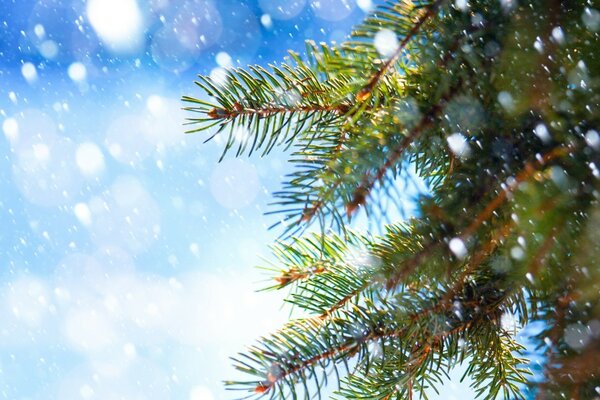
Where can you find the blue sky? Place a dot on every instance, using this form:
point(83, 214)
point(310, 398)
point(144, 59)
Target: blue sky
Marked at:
point(125, 249)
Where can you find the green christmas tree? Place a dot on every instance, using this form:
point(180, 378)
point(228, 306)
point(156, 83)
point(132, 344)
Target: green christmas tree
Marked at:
point(494, 104)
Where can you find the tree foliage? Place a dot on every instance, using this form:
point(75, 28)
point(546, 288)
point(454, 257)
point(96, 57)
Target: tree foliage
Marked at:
point(495, 105)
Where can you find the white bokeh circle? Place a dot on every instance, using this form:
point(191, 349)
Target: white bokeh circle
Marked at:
point(234, 183)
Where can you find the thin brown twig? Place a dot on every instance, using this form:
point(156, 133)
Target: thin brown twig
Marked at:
point(240, 110)
point(342, 302)
point(348, 346)
point(365, 92)
point(362, 191)
point(528, 170)
point(538, 260)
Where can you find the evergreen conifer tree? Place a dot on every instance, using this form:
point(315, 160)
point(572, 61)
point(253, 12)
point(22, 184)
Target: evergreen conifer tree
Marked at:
point(494, 104)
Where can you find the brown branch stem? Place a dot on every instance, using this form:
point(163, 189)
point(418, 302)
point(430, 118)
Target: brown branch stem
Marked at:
point(365, 92)
point(344, 300)
point(239, 110)
point(369, 180)
point(528, 170)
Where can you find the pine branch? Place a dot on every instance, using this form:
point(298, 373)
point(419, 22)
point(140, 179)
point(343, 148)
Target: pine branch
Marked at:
point(491, 105)
point(425, 355)
point(497, 362)
point(270, 108)
point(366, 92)
point(246, 100)
point(264, 112)
point(325, 273)
point(359, 195)
point(293, 354)
point(528, 170)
